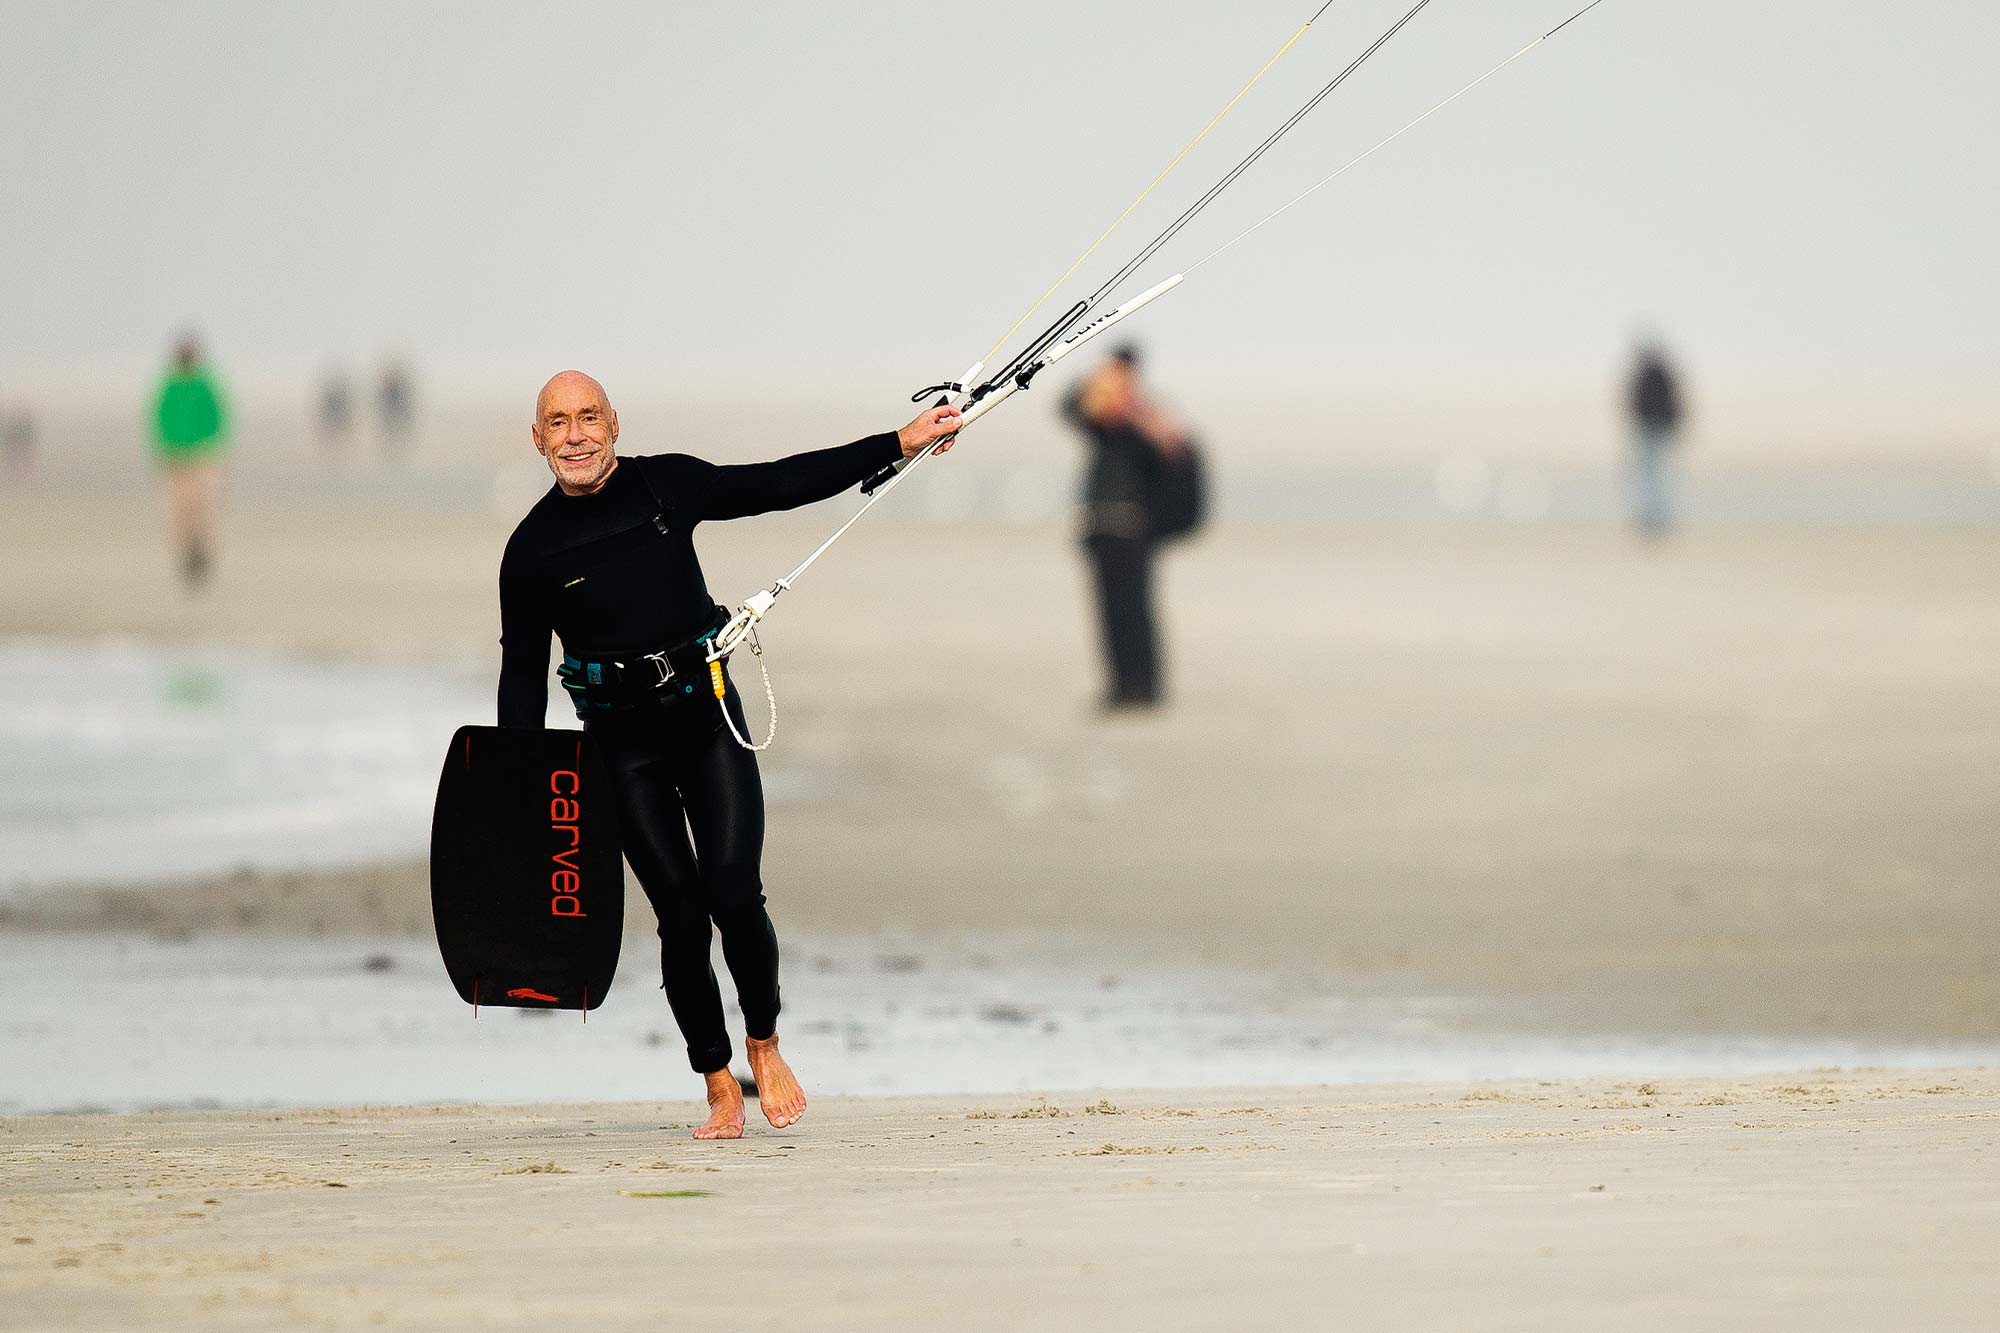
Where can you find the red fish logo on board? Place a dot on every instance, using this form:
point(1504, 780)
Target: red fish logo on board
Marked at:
point(526, 993)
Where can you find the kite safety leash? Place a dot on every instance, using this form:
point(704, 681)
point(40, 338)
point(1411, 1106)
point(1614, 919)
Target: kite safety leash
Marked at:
point(721, 688)
point(975, 397)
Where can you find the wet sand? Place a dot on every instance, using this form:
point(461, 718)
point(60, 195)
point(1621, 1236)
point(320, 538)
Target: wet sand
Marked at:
point(1740, 783)
point(1818, 1200)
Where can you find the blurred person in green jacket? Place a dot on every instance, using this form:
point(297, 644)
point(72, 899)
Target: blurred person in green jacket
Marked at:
point(190, 428)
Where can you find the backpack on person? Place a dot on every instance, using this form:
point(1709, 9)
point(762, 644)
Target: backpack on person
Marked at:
point(1179, 499)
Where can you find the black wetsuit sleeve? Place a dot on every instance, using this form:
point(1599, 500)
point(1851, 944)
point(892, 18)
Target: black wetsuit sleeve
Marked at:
point(786, 483)
point(524, 652)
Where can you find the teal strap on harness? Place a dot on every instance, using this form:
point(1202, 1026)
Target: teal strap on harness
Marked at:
point(602, 684)
point(577, 677)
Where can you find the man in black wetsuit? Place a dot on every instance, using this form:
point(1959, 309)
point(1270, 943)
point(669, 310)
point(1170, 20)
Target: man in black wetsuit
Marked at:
point(606, 562)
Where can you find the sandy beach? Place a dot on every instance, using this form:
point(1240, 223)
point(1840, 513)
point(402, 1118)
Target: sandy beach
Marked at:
point(1741, 783)
point(1826, 1200)
point(1740, 786)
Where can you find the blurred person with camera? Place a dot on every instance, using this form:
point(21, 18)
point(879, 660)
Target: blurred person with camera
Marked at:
point(1142, 486)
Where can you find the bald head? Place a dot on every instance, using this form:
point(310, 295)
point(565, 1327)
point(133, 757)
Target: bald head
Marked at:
point(570, 386)
point(575, 430)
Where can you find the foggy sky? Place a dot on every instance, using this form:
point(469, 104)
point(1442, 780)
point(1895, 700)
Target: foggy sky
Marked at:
point(801, 191)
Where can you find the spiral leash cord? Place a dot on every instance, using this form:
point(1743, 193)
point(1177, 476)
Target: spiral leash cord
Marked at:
point(770, 697)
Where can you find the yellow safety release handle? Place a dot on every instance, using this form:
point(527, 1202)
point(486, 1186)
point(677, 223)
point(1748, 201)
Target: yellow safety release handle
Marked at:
point(715, 677)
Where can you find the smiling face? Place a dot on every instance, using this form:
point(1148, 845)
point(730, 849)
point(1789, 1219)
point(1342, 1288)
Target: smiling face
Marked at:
point(575, 430)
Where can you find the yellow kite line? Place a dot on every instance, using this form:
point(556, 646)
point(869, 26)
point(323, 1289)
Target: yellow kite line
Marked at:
point(1164, 173)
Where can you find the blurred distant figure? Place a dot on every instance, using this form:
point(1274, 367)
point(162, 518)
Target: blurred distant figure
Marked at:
point(395, 404)
point(17, 443)
point(336, 411)
point(1654, 400)
point(190, 428)
point(1142, 486)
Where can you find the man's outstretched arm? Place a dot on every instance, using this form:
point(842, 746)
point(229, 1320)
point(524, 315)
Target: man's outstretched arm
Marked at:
point(786, 483)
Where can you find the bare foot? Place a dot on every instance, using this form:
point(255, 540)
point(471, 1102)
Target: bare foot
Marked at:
point(778, 1092)
point(725, 1107)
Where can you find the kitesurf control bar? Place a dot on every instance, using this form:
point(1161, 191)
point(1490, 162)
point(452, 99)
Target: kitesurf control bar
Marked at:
point(976, 397)
point(745, 620)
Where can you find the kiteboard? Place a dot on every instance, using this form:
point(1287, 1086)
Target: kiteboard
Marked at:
point(527, 886)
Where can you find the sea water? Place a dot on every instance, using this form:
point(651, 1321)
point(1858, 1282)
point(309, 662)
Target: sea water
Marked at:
point(130, 762)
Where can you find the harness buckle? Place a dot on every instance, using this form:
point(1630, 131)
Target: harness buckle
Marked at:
point(665, 668)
